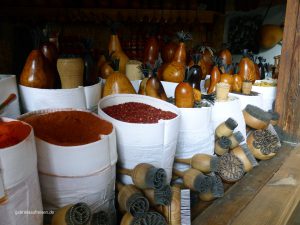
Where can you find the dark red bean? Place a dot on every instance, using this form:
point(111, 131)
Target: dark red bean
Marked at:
point(134, 112)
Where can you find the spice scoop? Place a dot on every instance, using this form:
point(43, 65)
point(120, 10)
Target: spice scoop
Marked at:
point(132, 200)
point(145, 175)
point(7, 101)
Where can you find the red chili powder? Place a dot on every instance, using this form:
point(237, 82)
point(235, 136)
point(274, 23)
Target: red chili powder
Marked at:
point(134, 112)
point(12, 133)
point(69, 128)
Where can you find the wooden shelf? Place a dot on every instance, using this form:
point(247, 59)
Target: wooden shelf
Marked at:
point(98, 15)
point(268, 194)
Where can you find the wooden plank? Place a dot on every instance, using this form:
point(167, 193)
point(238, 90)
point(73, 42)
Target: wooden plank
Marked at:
point(223, 210)
point(287, 99)
point(277, 200)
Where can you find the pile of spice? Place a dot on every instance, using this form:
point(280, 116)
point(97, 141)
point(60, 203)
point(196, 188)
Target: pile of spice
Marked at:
point(69, 128)
point(12, 133)
point(134, 112)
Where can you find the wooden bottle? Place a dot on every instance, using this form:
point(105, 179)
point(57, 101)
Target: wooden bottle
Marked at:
point(236, 138)
point(117, 82)
point(222, 145)
point(247, 67)
point(172, 212)
point(202, 162)
point(216, 191)
point(145, 175)
point(194, 180)
point(115, 49)
point(100, 218)
point(246, 157)
point(215, 77)
point(132, 200)
point(155, 89)
point(226, 128)
point(230, 168)
point(151, 50)
point(184, 95)
point(263, 144)
point(175, 70)
point(35, 73)
point(150, 217)
point(159, 196)
point(79, 213)
point(256, 117)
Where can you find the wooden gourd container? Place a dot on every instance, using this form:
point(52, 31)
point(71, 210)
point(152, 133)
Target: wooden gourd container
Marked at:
point(215, 77)
point(256, 117)
point(78, 213)
point(263, 144)
point(202, 162)
point(155, 89)
point(145, 175)
point(100, 218)
point(184, 95)
point(247, 67)
point(150, 217)
point(160, 196)
point(132, 200)
point(35, 72)
point(236, 138)
point(175, 70)
point(117, 82)
point(216, 191)
point(226, 128)
point(222, 145)
point(245, 155)
point(194, 180)
point(172, 212)
point(230, 168)
point(70, 72)
point(115, 49)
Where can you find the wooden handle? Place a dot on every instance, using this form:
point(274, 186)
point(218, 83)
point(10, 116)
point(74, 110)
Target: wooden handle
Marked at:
point(124, 171)
point(185, 161)
point(7, 101)
point(178, 173)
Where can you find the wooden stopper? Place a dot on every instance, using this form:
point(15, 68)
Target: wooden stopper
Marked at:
point(216, 191)
point(172, 212)
point(226, 128)
point(100, 218)
point(236, 138)
point(150, 217)
point(222, 91)
point(79, 214)
point(145, 176)
point(222, 145)
point(194, 179)
point(247, 87)
point(131, 200)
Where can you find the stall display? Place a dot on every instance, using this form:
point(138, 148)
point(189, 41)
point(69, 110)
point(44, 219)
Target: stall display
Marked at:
point(88, 144)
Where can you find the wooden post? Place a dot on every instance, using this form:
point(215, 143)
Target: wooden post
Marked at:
point(288, 89)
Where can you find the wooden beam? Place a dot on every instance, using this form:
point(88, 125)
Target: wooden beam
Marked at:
point(288, 89)
point(224, 210)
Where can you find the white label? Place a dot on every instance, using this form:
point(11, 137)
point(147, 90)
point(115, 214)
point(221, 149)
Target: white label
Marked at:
point(2, 192)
